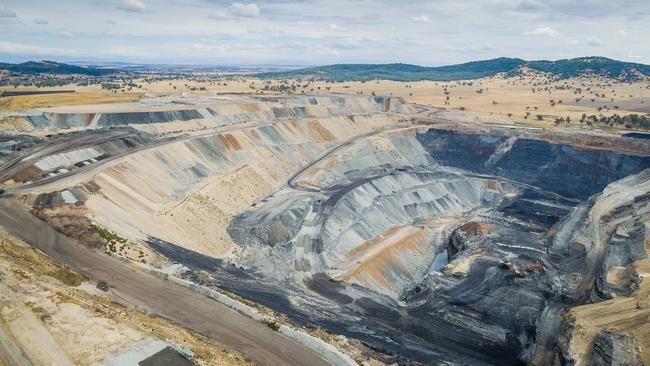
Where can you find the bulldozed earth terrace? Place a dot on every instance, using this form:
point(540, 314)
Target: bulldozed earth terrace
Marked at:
point(418, 234)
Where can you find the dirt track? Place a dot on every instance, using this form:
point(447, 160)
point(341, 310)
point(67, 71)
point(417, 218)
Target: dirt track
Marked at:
point(155, 295)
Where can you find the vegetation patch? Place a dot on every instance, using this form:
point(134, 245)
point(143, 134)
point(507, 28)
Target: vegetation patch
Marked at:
point(563, 69)
point(68, 276)
point(109, 237)
point(110, 86)
point(632, 121)
point(272, 323)
point(51, 67)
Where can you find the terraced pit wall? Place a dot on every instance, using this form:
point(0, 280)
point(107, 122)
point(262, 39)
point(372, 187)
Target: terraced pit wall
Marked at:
point(351, 242)
point(201, 182)
point(569, 170)
point(216, 112)
point(384, 209)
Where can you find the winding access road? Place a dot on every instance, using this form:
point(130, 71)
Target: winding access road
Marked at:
point(158, 296)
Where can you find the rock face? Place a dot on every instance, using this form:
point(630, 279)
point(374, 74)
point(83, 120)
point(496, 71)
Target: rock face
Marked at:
point(433, 245)
point(609, 329)
point(500, 205)
point(201, 181)
point(259, 228)
point(466, 237)
point(611, 348)
point(72, 152)
point(532, 161)
point(217, 113)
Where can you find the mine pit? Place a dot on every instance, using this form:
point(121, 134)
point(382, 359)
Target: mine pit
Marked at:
point(425, 239)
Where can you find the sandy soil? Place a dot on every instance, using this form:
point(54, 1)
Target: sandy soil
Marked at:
point(12, 123)
point(59, 319)
point(27, 330)
point(53, 100)
point(369, 263)
point(628, 315)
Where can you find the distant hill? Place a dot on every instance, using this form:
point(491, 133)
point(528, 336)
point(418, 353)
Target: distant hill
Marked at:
point(601, 66)
point(51, 67)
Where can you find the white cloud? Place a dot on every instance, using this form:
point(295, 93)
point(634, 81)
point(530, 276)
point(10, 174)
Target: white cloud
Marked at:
point(41, 21)
point(337, 28)
point(118, 50)
point(594, 42)
point(63, 33)
point(218, 15)
point(111, 22)
point(201, 46)
point(633, 56)
point(421, 19)
point(622, 32)
point(133, 5)
point(244, 10)
point(13, 48)
point(6, 13)
point(324, 50)
point(544, 32)
point(553, 27)
point(530, 5)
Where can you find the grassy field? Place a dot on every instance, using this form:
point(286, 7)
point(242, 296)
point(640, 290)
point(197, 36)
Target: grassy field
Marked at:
point(510, 99)
point(55, 100)
point(531, 99)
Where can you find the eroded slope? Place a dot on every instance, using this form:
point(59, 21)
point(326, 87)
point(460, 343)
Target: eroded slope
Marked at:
point(445, 244)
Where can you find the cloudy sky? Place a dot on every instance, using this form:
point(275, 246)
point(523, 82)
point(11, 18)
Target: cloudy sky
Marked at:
point(313, 32)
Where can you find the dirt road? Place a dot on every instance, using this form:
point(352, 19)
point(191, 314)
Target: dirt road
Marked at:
point(179, 304)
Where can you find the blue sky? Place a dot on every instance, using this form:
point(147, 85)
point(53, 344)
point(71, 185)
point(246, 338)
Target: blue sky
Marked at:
point(316, 32)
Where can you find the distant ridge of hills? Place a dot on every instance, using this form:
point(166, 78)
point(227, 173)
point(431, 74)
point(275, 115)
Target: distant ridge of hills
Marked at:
point(51, 67)
point(583, 66)
point(108, 68)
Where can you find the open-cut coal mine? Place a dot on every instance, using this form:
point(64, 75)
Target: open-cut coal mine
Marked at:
point(424, 238)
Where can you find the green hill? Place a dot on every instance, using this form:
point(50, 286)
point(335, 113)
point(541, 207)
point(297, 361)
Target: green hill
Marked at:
point(472, 70)
point(602, 66)
point(51, 67)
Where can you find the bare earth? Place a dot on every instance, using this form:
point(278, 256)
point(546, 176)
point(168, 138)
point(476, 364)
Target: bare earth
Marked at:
point(43, 303)
point(50, 315)
point(181, 305)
